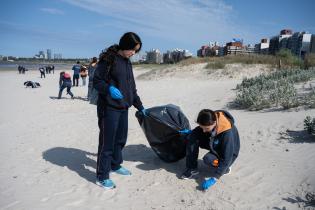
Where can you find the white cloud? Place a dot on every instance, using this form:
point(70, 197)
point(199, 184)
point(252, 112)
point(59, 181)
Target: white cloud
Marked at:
point(193, 21)
point(52, 11)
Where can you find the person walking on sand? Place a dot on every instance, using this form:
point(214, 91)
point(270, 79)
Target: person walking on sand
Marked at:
point(76, 73)
point(83, 74)
point(114, 81)
point(91, 70)
point(42, 72)
point(218, 134)
point(65, 82)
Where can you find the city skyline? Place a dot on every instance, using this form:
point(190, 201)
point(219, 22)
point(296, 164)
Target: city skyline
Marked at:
point(83, 28)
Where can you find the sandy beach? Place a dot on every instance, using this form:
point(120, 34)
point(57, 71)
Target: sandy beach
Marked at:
point(48, 148)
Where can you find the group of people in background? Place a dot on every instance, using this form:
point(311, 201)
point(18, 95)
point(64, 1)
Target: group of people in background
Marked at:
point(46, 70)
point(22, 69)
point(78, 71)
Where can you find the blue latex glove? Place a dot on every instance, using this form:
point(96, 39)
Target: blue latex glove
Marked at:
point(115, 93)
point(185, 131)
point(208, 183)
point(144, 112)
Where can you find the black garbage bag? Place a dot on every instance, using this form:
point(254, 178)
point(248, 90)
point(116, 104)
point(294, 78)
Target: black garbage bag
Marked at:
point(161, 126)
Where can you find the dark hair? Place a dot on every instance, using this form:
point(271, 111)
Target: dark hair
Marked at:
point(206, 117)
point(94, 60)
point(109, 54)
point(129, 41)
point(78, 62)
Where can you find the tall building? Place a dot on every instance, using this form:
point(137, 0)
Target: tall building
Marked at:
point(262, 47)
point(176, 55)
point(293, 43)
point(57, 56)
point(154, 56)
point(41, 54)
point(49, 55)
point(305, 40)
point(284, 36)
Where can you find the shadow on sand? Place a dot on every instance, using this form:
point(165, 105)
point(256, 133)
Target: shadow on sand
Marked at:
point(78, 160)
point(74, 159)
point(74, 98)
point(309, 201)
point(297, 137)
point(150, 161)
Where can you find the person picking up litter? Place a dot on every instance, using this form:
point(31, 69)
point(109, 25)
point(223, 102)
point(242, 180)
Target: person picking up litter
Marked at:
point(217, 133)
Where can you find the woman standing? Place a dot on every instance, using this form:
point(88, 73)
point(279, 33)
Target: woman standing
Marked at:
point(91, 70)
point(114, 80)
point(83, 74)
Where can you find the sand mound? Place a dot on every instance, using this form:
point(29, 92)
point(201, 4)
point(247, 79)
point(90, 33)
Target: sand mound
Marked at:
point(198, 71)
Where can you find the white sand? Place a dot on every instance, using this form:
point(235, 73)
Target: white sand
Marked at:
point(48, 150)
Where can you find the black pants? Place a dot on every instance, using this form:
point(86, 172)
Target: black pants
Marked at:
point(42, 74)
point(63, 86)
point(76, 80)
point(196, 139)
point(113, 125)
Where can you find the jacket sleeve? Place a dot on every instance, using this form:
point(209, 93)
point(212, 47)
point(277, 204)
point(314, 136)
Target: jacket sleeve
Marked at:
point(136, 99)
point(227, 154)
point(100, 79)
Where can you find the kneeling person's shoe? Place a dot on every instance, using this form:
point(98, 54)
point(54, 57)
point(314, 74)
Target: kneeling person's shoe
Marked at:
point(106, 183)
point(123, 171)
point(189, 173)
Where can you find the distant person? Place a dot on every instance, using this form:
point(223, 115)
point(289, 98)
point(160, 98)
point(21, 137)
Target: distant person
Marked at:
point(114, 81)
point(76, 73)
point(42, 72)
point(47, 69)
point(20, 69)
point(23, 70)
point(83, 74)
point(65, 82)
point(218, 134)
point(91, 70)
point(53, 69)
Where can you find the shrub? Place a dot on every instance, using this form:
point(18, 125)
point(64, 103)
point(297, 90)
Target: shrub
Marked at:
point(309, 125)
point(309, 61)
point(275, 89)
point(215, 65)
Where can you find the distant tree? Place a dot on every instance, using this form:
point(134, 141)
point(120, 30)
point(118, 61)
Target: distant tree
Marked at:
point(288, 59)
point(309, 61)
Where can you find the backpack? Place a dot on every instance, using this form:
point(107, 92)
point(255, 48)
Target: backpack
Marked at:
point(93, 97)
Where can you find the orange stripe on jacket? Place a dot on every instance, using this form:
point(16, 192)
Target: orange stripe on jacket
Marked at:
point(223, 124)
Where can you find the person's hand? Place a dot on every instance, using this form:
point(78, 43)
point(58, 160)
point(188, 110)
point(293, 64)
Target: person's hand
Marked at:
point(185, 131)
point(144, 112)
point(208, 183)
point(115, 93)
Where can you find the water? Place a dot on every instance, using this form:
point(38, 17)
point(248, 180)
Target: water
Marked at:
point(32, 66)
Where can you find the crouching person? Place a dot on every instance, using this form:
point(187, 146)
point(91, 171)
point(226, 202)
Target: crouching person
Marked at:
point(65, 82)
point(217, 133)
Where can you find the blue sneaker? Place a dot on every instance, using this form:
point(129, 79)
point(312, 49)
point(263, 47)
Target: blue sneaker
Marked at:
point(106, 183)
point(123, 171)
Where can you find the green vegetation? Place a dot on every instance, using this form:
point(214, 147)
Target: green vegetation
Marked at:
point(215, 65)
point(309, 125)
point(284, 59)
point(273, 90)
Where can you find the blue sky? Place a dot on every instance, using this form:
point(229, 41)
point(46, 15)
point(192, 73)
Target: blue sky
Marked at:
point(82, 28)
